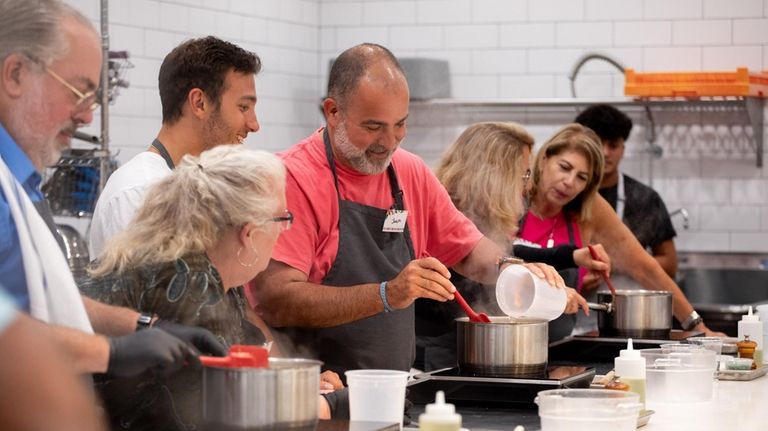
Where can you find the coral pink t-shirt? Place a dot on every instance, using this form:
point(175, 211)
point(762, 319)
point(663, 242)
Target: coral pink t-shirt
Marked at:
point(437, 228)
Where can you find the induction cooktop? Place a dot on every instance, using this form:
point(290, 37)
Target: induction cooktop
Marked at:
point(470, 389)
point(597, 348)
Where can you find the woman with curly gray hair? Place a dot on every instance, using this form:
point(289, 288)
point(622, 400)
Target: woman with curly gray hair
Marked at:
point(202, 232)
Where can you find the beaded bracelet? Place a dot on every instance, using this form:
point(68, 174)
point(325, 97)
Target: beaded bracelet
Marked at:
point(383, 293)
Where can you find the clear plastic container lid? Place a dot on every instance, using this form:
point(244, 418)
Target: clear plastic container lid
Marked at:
point(694, 358)
point(587, 402)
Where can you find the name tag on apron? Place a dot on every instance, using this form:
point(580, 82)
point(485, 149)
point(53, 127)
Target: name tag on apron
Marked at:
point(395, 221)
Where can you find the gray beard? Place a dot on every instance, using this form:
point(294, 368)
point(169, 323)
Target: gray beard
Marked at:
point(40, 146)
point(356, 157)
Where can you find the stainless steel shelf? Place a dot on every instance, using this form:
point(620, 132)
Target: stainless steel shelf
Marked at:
point(653, 113)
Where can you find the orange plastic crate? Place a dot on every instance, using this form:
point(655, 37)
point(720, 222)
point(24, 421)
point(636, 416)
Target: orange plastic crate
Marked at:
point(695, 84)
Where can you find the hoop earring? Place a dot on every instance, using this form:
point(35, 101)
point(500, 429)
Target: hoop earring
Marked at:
point(247, 265)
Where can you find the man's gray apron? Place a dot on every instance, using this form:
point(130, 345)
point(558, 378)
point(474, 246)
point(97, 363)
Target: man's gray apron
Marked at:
point(366, 254)
point(563, 325)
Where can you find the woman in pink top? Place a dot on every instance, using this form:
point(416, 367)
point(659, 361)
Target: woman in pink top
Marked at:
point(562, 199)
point(485, 172)
point(566, 175)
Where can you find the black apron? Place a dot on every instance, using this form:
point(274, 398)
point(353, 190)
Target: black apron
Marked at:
point(44, 210)
point(563, 325)
point(163, 153)
point(365, 255)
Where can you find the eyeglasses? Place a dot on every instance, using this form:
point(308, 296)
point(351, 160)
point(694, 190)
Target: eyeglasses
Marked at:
point(285, 220)
point(85, 101)
point(527, 175)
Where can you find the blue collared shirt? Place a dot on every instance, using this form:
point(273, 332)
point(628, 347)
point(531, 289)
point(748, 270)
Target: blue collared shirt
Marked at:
point(7, 309)
point(14, 281)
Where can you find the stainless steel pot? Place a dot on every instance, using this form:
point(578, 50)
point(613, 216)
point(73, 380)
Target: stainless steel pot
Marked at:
point(75, 249)
point(285, 395)
point(502, 348)
point(634, 313)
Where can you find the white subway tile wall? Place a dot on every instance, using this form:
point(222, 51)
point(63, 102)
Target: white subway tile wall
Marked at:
point(643, 33)
point(435, 12)
point(580, 34)
point(611, 10)
point(725, 57)
point(732, 9)
point(701, 33)
point(524, 35)
point(497, 49)
point(679, 9)
point(285, 34)
point(389, 12)
point(500, 11)
point(748, 31)
point(670, 58)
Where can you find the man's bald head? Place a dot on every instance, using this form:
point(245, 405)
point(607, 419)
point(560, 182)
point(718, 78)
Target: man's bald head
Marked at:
point(367, 60)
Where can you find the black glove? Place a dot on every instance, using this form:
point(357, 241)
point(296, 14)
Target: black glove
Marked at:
point(338, 401)
point(151, 349)
point(199, 337)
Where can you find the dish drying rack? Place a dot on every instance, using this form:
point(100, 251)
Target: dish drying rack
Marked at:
point(72, 184)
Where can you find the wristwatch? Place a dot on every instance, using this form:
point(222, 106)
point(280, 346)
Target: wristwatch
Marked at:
point(144, 321)
point(691, 321)
point(511, 260)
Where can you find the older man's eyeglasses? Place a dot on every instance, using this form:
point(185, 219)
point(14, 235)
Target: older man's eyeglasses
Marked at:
point(285, 220)
point(85, 101)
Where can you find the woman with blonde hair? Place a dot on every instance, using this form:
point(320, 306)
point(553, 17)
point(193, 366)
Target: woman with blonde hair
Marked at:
point(565, 208)
point(203, 231)
point(485, 173)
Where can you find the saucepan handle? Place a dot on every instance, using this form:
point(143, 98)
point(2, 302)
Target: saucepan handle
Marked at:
point(215, 361)
point(607, 307)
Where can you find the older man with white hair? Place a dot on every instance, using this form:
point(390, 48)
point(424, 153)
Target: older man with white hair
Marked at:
point(50, 61)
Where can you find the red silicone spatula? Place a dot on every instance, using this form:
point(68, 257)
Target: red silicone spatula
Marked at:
point(473, 317)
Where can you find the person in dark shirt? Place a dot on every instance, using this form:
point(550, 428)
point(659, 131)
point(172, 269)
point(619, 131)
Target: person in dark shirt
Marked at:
point(639, 206)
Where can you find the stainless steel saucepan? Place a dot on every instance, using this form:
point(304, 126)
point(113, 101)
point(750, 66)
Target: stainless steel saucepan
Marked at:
point(634, 313)
point(282, 396)
point(503, 348)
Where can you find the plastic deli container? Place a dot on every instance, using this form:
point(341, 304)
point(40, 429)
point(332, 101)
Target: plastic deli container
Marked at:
point(522, 295)
point(679, 376)
point(377, 395)
point(588, 410)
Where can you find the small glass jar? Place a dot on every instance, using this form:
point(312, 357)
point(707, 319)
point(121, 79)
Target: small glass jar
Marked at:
point(746, 347)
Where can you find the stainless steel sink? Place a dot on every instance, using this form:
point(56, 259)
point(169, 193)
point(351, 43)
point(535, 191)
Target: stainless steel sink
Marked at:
point(723, 295)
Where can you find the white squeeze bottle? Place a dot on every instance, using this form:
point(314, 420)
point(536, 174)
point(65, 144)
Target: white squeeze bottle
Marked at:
point(750, 325)
point(440, 416)
point(630, 367)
